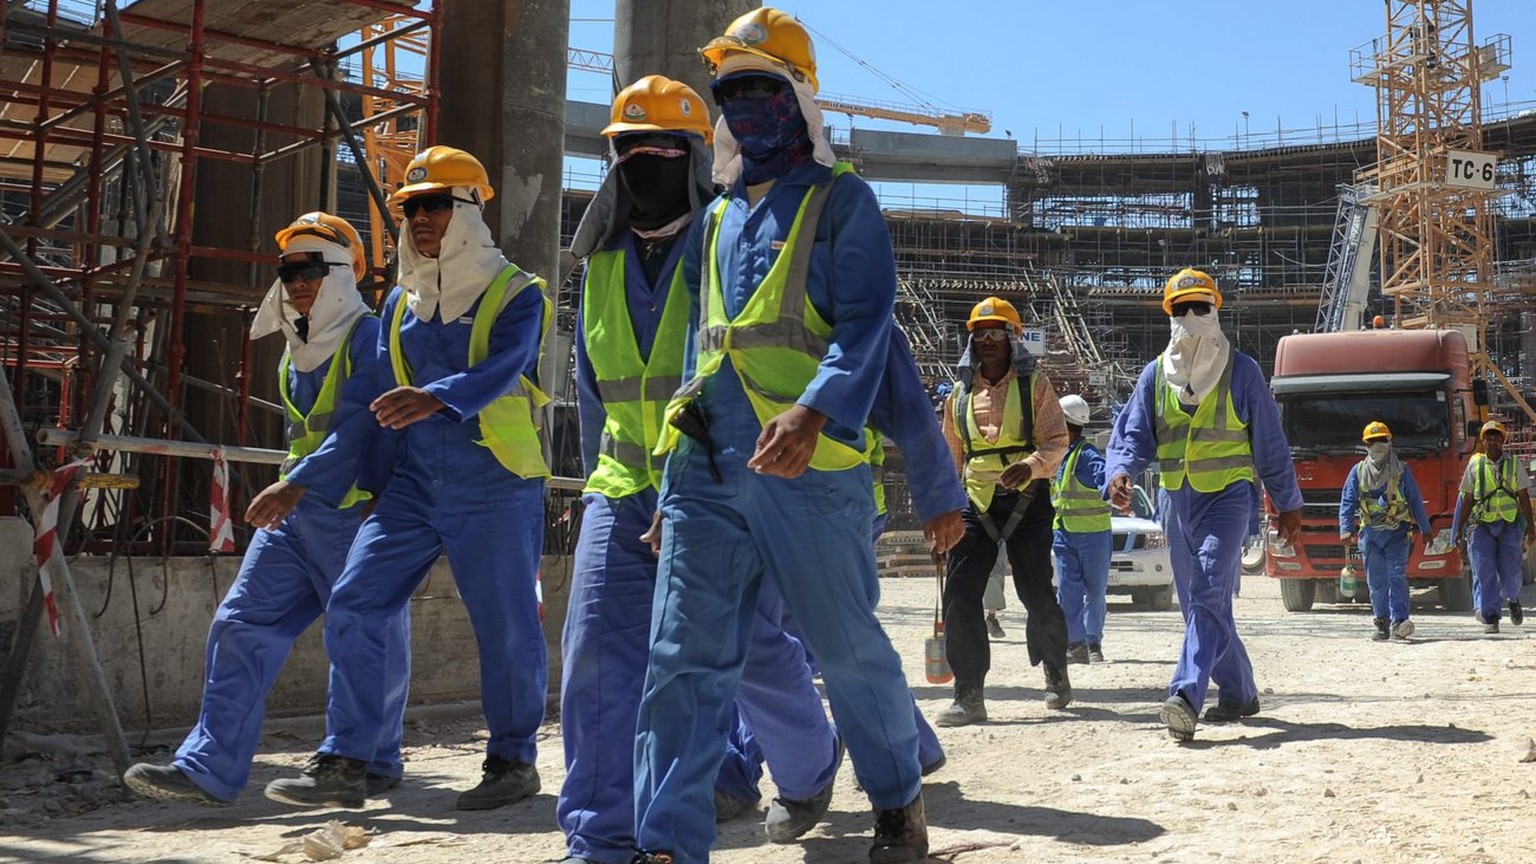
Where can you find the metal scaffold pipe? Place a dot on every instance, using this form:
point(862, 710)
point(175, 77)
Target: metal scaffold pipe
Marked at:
point(164, 447)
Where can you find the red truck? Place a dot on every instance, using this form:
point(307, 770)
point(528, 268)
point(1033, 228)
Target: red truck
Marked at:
point(1329, 385)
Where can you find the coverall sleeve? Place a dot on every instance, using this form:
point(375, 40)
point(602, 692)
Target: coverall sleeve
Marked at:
point(514, 351)
point(862, 286)
point(692, 263)
point(1415, 501)
point(330, 471)
point(901, 410)
point(1349, 501)
point(1051, 437)
point(589, 403)
point(1271, 452)
point(1090, 468)
point(1133, 443)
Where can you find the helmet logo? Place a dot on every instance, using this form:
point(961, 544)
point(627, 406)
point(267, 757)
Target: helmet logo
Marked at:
point(633, 111)
point(416, 175)
point(986, 309)
point(686, 107)
point(1188, 281)
point(751, 33)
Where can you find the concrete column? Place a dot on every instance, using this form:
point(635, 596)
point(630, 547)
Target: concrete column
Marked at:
point(663, 37)
point(503, 99)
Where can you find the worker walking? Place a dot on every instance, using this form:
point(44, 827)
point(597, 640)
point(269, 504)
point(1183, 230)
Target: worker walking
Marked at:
point(460, 342)
point(328, 375)
point(1380, 507)
point(1493, 524)
point(766, 477)
point(1204, 412)
point(1007, 437)
point(1081, 538)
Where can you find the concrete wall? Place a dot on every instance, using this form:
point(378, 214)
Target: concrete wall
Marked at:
point(175, 600)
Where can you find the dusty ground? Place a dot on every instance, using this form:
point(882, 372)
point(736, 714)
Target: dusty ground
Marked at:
point(1363, 752)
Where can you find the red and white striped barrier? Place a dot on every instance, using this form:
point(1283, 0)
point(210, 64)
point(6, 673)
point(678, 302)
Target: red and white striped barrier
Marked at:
point(47, 535)
point(221, 529)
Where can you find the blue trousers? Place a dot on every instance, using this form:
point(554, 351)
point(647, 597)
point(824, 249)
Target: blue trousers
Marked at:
point(1386, 551)
point(1495, 550)
point(1082, 578)
point(605, 646)
point(1205, 546)
point(721, 540)
point(492, 534)
point(284, 583)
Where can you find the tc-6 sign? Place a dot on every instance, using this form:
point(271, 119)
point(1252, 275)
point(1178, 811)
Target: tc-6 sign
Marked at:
point(1468, 169)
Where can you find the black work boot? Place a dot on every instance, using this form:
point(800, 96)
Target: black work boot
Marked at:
point(1095, 652)
point(728, 806)
point(1516, 613)
point(651, 858)
point(167, 783)
point(502, 782)
point(968, 708)
point(900, 835)
point(1058, 688)
point(1382, 634)
point(789, 818)
point(1226, 712)
point(1077, 654)
point(328, 780)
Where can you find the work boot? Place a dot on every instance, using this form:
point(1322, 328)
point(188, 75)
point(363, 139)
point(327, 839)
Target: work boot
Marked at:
point(789, 819)
point(900, 835)
point(1382, 634)
point(502, 782)
point(1226, 712)
point(1077, 654)
point(1095, 652)
point(1491, 625)
point(168, 783)
point(935, 765)
point(1402, 629)
point(328, 780)
point(1516, 614)
point(729, 807)
point(994, 629)
point(969, 707)
point(378, 785)
point(1058, 688)
point(1179, 716)
point(651, 858)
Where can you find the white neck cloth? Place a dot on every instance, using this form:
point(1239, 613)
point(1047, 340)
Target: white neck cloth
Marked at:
point(1196, 355)
point(467, 263)
point(337, 305)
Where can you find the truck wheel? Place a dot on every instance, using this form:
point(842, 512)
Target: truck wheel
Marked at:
point(1456, 593)
point(1160, 599)
point(1297, 594)
point(1254, 554)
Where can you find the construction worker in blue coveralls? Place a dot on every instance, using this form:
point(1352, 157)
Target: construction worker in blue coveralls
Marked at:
point(1380, 507)
point(459, 347)
point(1492, 526)
point(1080, 538)
point(1204, 412)
point(1007, 438)
point(766, 477)
point(304, 522)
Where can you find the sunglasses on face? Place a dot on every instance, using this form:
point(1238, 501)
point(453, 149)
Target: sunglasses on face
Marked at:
point(429, 203)
point(309, 271)
point(1199, 307)
point(747, 87)
point(989, 334)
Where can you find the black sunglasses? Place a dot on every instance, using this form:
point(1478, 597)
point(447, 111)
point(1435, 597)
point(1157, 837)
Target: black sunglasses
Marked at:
point(307, 270)
point(430, 203)
point(747, 87)
point(1199, 307)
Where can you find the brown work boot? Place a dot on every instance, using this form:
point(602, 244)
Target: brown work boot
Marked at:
point(968, 708)
point(1058, 688)
point(900, 835)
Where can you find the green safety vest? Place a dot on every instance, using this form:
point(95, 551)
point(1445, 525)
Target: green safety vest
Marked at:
point(306, 432)
point(1211, 449)
point(1080, 508)
point(509, 425)
point(1374, 514)
point(777, 343)
point(634, 391)
point(1494, 496)
point(985, 461)
point(874, 454)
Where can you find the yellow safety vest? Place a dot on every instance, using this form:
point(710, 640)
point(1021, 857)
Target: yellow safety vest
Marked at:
point(306, 432)
point(1080, 508)
point(874, 453)
point(777, 343)
point(985, 461)
point(1210, 449)
point(1494, 496)
point(1375, 514)
point(634, 391)
point(509, 426)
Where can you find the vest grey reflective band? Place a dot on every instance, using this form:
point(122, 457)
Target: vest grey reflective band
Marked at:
point(626, 452)
point(658, 389)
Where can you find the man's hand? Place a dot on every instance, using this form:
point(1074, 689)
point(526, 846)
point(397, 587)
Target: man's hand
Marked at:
point(943, 532)
point(652, 534)
point(1347, 539)
point(1289, 528)
point(1015, 476)
point(273, 504)
point(403, 406)
point(1120, 493)
point(787, 443)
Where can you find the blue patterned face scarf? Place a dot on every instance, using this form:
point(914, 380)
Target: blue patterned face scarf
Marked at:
point(770, 130)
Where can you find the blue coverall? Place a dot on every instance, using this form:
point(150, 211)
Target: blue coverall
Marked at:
point(448, 494)
point(1385, 548)
point(810, 535)
point(605, 643)
point(1082, 558)
point(1205, 531)
point(285, 581)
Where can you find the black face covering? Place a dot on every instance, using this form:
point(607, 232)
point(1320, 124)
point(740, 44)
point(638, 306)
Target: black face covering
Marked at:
point(657, 188)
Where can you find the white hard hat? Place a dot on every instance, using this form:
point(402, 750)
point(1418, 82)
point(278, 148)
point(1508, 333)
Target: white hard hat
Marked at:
point(1076, 409)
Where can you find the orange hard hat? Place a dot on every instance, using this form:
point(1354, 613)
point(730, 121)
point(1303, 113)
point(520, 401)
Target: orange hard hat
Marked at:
point(1376, 429)
point(439, 169)
point(995, 309)
point(1491, 426)
point(772, 35)
point(332, 229)
point(1185, 284)
point(657, 103)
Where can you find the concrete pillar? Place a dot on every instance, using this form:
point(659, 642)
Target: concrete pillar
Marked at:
point(503, 99)
point(663, 37)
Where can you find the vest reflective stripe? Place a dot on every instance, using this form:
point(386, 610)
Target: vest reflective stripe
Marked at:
point(777, 342)
point(306, 432)
point(1080, 508)
point(1494, 496)
point(635, 392)
point(984, 460)
point(509, 426)
point(1210, 449)
point(1375, 514)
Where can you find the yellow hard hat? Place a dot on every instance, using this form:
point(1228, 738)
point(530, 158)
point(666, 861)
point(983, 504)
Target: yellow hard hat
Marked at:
point(1376, 429)
point(995, 309)
point(1491, 426)
point(440, 168)
point(1188, 282)
point(657, 103)
point(332, 229)
point(770, 34)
